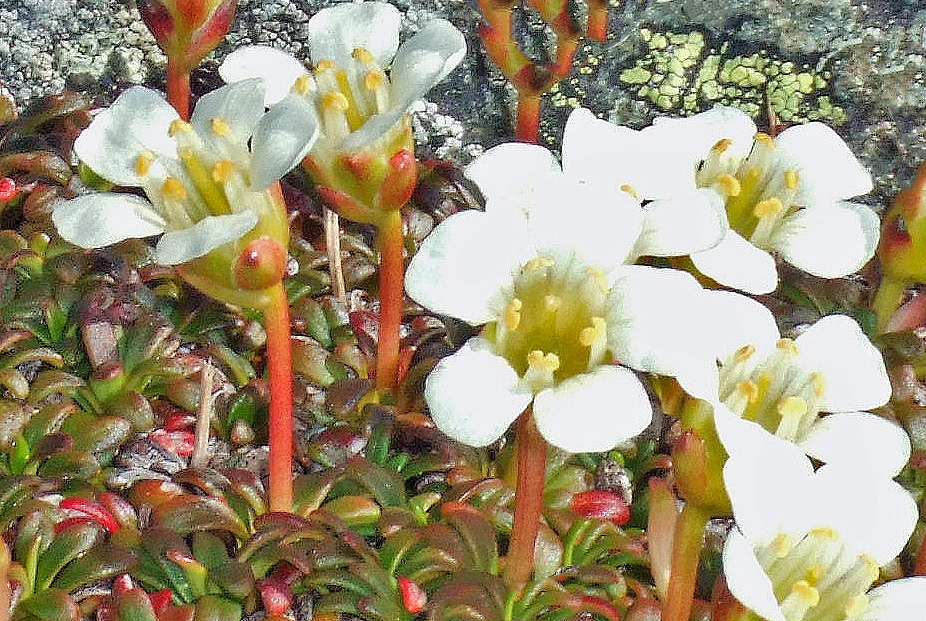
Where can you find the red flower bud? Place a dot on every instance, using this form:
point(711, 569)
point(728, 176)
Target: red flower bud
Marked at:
point(602, 505)
point(413, 596)
point(8, 190)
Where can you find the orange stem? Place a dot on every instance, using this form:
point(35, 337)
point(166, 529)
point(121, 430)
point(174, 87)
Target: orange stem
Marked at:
point(178, 89)
point(528, 123)
point(689, 539)
point(280, 370)
point(391, 243)
point(528, 501)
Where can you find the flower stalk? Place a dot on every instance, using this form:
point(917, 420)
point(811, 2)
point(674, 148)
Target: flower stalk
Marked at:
point(279, 365)
point(178, 88)
point(391, 243)
point(689, 539)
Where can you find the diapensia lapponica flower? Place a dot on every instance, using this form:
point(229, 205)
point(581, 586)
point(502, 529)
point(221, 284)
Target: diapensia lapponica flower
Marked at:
point(807, 546)
point(783, 196)
point(812, 390)
point(361, 87)
point(210, 183)
point(546, 267)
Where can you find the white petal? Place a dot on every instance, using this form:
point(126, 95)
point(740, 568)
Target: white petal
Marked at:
point(683, 224)
point(283, 137)
point(827, 168)
point(601, 226)
point(736, 263)
point(746, 579)
point(473, 395)
point(240, 104)
point(601, 152)
point(184, 245)
point(593, 411)
point(137, 121)
point(373, 129)
point(464, 265)
point(97, 220)
point(853, 499)
point(853, 369)
point(805, 239)
point(740, 321)
point(506, 174)
point(335, 32)
point(647, 332)
point(868, 440)
point(424, 60)
point(897, 600)
point(278, 69)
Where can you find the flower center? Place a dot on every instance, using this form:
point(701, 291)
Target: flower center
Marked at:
point(818, 578)
point(758, 192)
point(553, 327)
point(776, 393)
point(347, 96)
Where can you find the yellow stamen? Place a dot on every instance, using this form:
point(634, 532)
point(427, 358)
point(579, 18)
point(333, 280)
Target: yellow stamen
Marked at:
point(593, 333)
point(856, 606)
point(814, 573)
point(782, 544)
point(543, 362)
point(765, 139)
point(324, 65)
point(177, 126)
point(767, 207)
point(749, 390)
point(303, 84)
point(373, 80)
point(824, 532)
point(513, 314)
point(600, 279)
point(722, 145)
point(220, 126)
point(871, 567)
point(787, 345)
point(729, 184)
point(537, 262)
point(221, 170)
point(552, 302)
point(744, 353)
point(335, 100)
point(629, 189)
point(792, 407)
point(143, 163)
point(363, 55)
point(806, 593)
point(791, 179)
point(173, 188)
point(819, 384)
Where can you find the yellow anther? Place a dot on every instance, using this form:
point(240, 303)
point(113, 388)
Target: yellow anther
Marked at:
point(792, 407)
point(729, 184)
point(629, 189)
point(513, 314)
point(173, 188)
point(220, 126)
point(551, 303)
point(363, 55)
point(782, 544)
point(744, 353)
point(856, 606)
point(791, 179)
point(374, 80)
point(177, 126)
point(824, 532)
point(600, 279)
point(537, 262)
point(221, 170)
point(335, 100)
point(722, 145)
point(543, 362)
point(303, 84)
point(764, 139)
point(767, 207)
point(814, 573)
point(819, 384)
point(593, 333)
point(324, 65)
point(807, 594)
point(871, 567)
point(749, 390)
point(787, 345)
point(143, 163)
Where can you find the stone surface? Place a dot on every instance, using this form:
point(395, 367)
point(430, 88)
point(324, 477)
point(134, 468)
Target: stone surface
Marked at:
point(859, 65)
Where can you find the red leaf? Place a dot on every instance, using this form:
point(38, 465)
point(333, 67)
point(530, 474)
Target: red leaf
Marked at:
point(413, 596)
point(602, 505)
point(93, 509)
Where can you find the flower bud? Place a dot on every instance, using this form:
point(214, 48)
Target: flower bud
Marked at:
point(903, 234)
point(187, 30)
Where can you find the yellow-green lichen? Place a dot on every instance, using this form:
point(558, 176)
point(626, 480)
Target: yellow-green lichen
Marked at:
point(681, 74)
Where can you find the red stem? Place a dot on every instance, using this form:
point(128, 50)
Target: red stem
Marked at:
point(528, 501)
point(528, 123)
point(391, 299)
point(686, 554)
point(279, 364)
point(178, 89)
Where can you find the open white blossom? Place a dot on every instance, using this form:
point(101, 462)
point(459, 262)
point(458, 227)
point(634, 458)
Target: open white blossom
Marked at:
point(783, 196)
point(207, 181)
point(808, 545)
point(545, 267)
point(351, 46)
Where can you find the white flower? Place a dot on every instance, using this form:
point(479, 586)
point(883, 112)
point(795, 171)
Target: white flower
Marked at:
point(207, 180)
point(808, 545)
point(782, 196)
point(351, 45)
point(545, 267)
point(786, 386)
